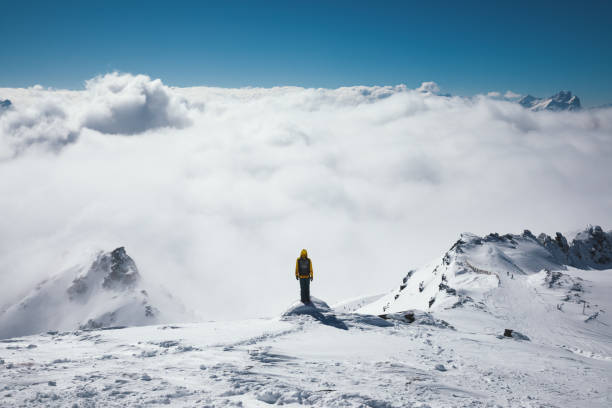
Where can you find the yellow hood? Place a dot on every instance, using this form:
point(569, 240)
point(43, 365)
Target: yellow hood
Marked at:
point(304, 253)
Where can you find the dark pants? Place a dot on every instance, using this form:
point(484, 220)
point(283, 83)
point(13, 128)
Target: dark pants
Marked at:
point(305, 290)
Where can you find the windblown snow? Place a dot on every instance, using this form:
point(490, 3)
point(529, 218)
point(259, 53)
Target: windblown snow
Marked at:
point(498, 321)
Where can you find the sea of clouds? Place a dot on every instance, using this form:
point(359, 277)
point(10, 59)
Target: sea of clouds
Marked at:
point(215, 191)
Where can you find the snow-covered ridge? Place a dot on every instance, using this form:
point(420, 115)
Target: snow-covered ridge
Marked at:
point(110, 292)
point(562, 101)
point(475, 266)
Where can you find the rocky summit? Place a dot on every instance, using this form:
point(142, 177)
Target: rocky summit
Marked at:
point(562, 101)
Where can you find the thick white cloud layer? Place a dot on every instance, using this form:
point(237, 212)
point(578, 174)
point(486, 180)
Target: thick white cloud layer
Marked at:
point(214, 191)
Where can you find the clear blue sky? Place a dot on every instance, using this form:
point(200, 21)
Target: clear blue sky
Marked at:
point(466, 46)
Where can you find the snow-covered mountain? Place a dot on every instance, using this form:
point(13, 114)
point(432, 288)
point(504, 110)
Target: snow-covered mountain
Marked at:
point(475, 267)
point(562, 101)
point(109, 292)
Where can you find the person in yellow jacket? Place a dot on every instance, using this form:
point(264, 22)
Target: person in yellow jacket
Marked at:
point(303, 272)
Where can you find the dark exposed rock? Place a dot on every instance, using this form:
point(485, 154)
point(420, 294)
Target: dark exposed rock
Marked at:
point(513, 334)
point(408, 275)
point(150, 311)
point(528, 234)
point(592, 248)
point(592, 317)
point(553, 278)
point(123, 272)
point(576, 287)
point(417, 317)
point(448, 289)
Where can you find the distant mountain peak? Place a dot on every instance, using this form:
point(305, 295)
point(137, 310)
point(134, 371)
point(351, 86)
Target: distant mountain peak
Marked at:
point(561, 101)
point(109, 292)
point(5, 104)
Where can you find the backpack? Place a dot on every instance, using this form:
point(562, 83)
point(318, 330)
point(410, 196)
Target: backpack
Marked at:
point(304, 267)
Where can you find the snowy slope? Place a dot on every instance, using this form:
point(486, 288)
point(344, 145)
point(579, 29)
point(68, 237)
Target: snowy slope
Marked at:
point(311, 355)
point(110, 292)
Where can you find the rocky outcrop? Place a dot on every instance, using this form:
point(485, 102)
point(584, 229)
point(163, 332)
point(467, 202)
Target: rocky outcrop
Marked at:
point(591, 248)
point(123, 272)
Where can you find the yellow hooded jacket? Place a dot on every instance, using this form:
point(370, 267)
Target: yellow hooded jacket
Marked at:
point(303, 254)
